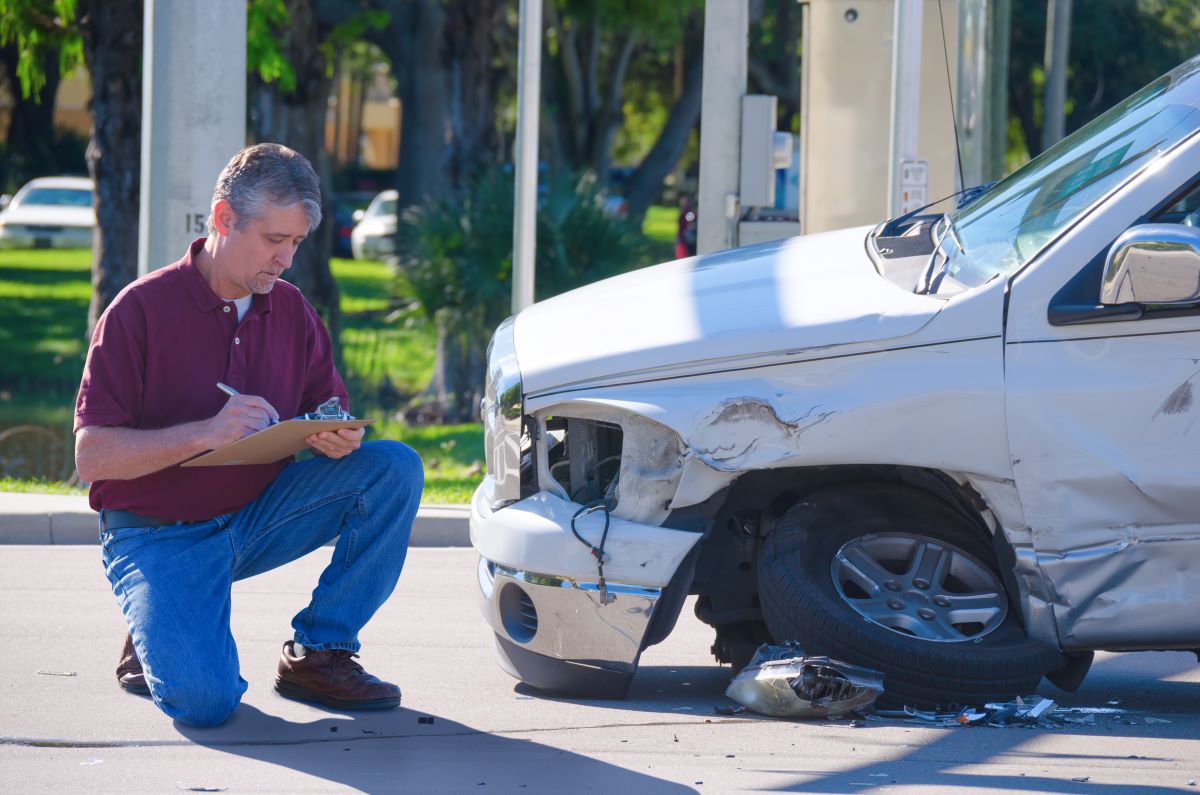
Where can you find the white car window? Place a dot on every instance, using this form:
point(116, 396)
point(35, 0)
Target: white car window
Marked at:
point(58, 197)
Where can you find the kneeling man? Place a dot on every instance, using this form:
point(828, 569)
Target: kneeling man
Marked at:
point(174, 539)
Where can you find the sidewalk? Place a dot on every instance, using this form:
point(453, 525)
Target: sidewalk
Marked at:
point(61, 519)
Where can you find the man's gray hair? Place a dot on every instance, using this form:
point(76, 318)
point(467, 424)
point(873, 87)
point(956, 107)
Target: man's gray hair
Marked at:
point(267, 175)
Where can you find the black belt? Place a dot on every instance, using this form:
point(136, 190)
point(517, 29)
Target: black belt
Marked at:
point(116, 520)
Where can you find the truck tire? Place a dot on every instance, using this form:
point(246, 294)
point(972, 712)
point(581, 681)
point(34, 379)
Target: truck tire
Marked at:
point(890, 577)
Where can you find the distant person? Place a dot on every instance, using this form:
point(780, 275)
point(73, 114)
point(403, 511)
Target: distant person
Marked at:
point(174, 540)
point(685, 237)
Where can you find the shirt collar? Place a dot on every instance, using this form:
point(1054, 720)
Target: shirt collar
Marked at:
point(201, 293)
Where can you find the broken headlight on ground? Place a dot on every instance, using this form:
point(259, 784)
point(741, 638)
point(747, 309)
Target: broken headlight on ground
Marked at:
point(781, 681)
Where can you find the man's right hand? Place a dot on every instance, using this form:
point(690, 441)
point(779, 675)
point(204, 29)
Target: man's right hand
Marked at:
point(241, 416)
point(115, 453)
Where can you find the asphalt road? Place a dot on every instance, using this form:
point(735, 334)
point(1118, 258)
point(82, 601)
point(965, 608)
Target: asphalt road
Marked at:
point(65, 726)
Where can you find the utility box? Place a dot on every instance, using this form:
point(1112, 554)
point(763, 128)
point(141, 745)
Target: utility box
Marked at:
point(758, 147)
point(846, 92)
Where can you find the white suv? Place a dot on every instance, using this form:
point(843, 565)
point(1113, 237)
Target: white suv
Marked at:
point(961, 447)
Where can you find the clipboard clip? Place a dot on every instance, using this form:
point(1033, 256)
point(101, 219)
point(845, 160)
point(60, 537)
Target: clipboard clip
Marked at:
point(329, 410)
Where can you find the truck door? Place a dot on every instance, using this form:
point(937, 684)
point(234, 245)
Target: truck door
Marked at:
point(1104, 429)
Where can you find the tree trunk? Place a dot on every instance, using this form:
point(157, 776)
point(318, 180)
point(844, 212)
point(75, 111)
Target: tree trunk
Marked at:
point(112, 47)
point(590, 90)
point(611, 115)
point(441, 54)
point(1021, 102)
point(775, 68)
point(467, 54)
point(30, 146)
point(460, 363)
point(646, 181)
point(413, 42)
point(296, 119)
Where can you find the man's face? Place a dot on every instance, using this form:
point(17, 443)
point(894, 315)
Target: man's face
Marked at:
point(252, 258)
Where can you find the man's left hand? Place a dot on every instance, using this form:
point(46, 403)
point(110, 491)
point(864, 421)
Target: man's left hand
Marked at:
point(336, 444)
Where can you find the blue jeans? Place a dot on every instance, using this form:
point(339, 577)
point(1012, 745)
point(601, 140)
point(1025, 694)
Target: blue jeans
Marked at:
point(173, 582)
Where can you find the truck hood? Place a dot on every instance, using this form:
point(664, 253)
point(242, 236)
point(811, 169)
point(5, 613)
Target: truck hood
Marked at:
point(735, 308)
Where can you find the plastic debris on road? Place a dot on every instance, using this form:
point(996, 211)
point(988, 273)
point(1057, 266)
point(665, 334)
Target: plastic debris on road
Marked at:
point(1029, 712)
point(781, 681)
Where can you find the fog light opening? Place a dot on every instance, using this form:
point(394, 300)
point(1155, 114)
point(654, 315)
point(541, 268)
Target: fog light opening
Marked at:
point(517, 613)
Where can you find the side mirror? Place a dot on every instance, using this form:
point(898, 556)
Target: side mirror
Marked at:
point(1153, 264)
point(359, 215)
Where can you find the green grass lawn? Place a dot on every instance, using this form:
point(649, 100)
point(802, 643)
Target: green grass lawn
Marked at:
point(43, 317)
point(660, 226)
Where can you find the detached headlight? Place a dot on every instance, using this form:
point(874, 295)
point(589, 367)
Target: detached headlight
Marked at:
point(502, 411)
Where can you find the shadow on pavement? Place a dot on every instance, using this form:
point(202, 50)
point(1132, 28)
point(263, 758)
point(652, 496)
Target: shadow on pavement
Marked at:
point(660, 688)
point(393, 750)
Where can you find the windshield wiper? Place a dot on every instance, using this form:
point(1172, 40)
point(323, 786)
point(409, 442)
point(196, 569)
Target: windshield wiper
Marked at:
point(931, 277)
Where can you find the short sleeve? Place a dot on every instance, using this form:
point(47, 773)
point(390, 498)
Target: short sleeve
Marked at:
point(110, 392)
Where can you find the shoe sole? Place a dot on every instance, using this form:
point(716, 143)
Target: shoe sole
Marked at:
point(298, 693)
point(137, 690)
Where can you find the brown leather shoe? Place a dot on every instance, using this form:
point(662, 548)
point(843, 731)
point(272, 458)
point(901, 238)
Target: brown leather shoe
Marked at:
point(130, 676)
point(334, 679)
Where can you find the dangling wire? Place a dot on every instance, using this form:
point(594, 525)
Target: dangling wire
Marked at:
point(597, 551)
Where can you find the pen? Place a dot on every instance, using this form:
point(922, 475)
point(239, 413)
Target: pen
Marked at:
point(228, 390)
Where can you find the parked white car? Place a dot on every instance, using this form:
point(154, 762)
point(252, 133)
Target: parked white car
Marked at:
point(49, 212)
point(374, 236)
point(960, 448)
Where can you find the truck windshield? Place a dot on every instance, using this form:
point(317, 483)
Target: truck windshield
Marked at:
point(1009, 224)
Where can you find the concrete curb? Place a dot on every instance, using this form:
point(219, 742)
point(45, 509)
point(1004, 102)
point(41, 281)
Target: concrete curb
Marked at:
point(64, 519)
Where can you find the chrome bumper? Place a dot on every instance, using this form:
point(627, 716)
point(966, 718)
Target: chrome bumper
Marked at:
point(559, 635)
point(542, 598)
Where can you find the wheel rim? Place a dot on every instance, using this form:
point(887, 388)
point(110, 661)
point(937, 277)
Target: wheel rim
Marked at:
point(919, 587)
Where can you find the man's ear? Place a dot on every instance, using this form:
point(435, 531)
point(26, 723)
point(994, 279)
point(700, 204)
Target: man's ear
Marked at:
point(223, 217)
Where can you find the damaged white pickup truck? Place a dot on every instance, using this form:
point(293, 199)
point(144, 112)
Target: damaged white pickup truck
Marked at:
point(961, 448)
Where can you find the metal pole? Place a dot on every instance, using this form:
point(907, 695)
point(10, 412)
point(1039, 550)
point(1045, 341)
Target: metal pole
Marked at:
point(726, 33)
point(200, 46)
point(1058, 43)
point(529, 81)
point(906, 93)
point(999, 26)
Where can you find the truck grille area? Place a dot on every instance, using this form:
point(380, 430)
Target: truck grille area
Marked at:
point(584, 457)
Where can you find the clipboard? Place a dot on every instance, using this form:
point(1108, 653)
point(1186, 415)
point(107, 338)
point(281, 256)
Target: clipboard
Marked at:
point(272, 443)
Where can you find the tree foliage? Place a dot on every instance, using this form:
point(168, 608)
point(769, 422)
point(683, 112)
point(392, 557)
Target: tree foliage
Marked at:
point(41, 29)
point(456, 252)
point(1117, 46)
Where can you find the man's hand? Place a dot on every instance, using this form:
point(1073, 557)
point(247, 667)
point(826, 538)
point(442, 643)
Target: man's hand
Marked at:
point(241, 416)
point(336, 444)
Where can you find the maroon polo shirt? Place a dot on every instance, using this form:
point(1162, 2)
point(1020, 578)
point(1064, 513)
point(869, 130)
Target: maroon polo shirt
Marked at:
point(156, 356)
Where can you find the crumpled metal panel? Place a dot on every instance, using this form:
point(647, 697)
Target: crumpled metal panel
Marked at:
point(535, 535)
point(1105, 459)
point(651, 455)
point(842, 410)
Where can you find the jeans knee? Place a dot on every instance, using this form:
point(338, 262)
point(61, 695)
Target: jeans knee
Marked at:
point(401, 465)
point(204, 704)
